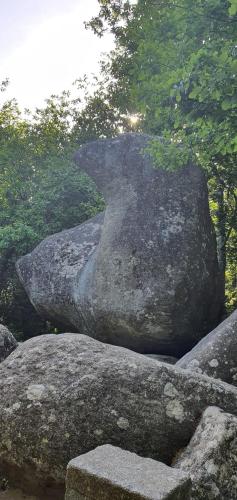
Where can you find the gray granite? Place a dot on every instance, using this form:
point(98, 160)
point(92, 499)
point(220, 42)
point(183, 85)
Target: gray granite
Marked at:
point(110, 473)
point(64, 395)
point(216, 354)
point(211, 457)
point(145, 274)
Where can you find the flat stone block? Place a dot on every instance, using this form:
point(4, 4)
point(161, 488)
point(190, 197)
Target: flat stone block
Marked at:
point(110, 473)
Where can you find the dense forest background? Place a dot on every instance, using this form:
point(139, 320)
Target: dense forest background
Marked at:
point(172, 74)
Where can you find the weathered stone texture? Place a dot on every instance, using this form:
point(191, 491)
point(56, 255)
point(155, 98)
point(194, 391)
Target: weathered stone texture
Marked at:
point(171, 360)
point(144, 277)
point(216, 354)
point(64, 395)
point(7, 342)
point(51, 274)
point(109, 473)
point(211, 457)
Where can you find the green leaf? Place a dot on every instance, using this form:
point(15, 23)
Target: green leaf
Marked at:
point(233, 7)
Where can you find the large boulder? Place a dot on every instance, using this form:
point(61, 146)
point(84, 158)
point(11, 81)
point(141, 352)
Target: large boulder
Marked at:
point(211, 456)
point(150, 280)
point(216, 354)
point(53, 274)
point(63, 395)
point(7, 342)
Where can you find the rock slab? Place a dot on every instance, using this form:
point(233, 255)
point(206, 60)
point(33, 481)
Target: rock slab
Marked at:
point(64, 395)
point(7, 343)
point(211, 457)
point(216, 354)
point(144, 275)
point(109, 473)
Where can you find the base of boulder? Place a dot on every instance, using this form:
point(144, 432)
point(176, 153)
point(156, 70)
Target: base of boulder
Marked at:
point(13, 494)
point(22, 484)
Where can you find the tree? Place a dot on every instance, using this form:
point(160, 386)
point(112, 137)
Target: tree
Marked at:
point(177, 61)
point(42, 191)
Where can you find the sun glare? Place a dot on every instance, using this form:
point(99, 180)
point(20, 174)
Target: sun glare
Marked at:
point(134, 119)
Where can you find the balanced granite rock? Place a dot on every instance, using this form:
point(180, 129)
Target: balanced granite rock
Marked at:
point(7, 342)
point(216, 354)
point(109, 473)
point(150, 279)
point(211, 457)
point(64, 395)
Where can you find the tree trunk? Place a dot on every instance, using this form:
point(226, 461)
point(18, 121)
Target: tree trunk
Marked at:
point(221, 227)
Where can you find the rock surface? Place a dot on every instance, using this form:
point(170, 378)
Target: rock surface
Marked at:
point(211, 457)
point(64, 395)
point(52, 273)
point(139, 281)
point(164, 359)
point(7, 342)
point(109, 473)
point(216, 354)
point(13, 494)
